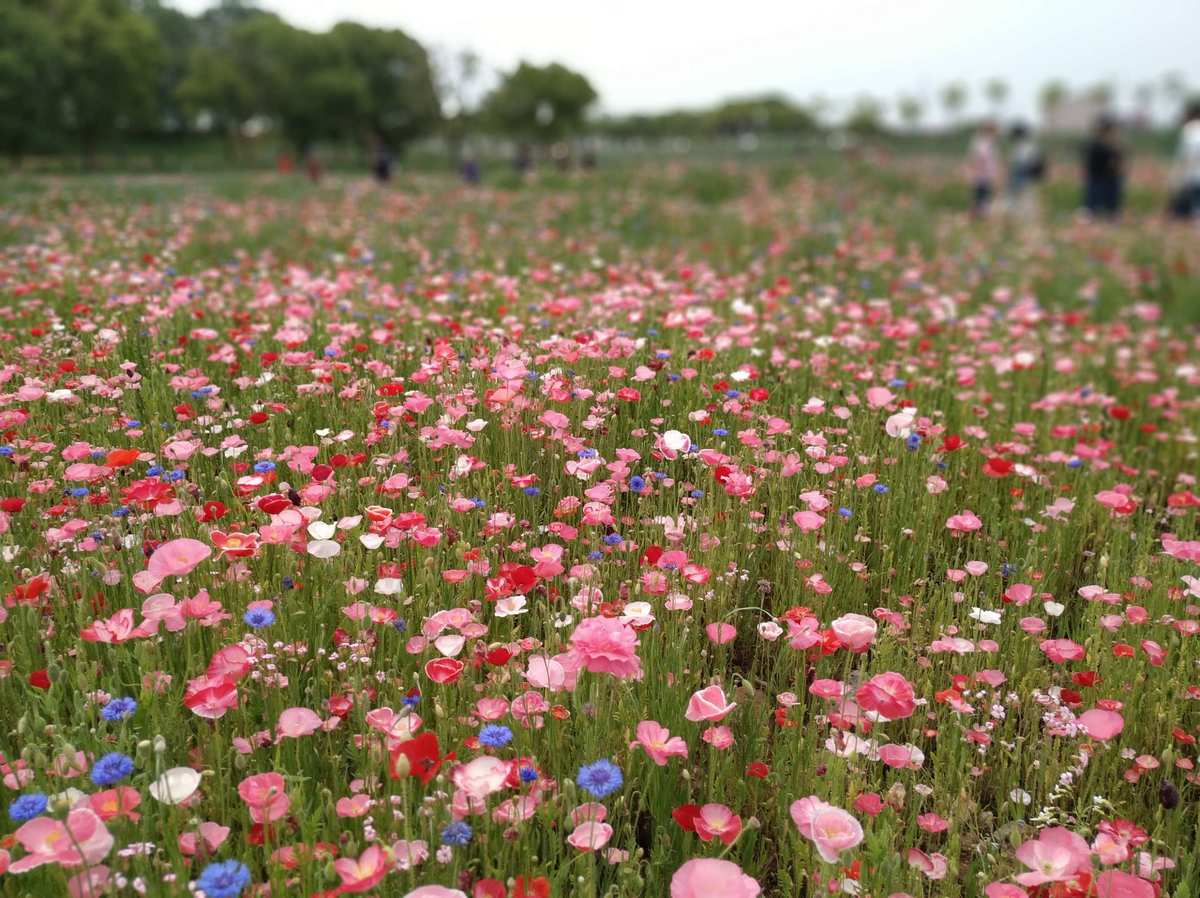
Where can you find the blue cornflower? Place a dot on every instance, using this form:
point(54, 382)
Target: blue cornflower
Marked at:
point(26, 807)
point(913, 441)
point(636, 483)
point(495, 736)
point(845, 512)
point(111, 769)
point(1075, 463)
point(479, 503)
point(611, 539)
point(880, 488)
point(120, 511)
point(732, 394)
point(600, 778)
point(897, 383)
point(154, 470)
point(287, 583)
point(400, 625)
point(80, 491)
point(262, 467)
point(259, 617)
point(595, 556)
point(587, 453)
point(133, 424)
point(98, 454)
point(662, 354)
point(528, 775)
point(172, 476)
point(412, 699)
point(697, 494)
point(119, 709)
point(457, 833)
point(531, 491)
point(6, 451)
point(720, 432)
point(224, 879)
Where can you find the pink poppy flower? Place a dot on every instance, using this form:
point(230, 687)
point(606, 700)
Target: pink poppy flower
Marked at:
point(590, 835)
point(721, 633)
point(1101, 724)
point(297, 722)
point(91, 882)
point(481, 777)
point(1119, 884)
point(887, 694)
point(658, 743)
point(832, 830)
point(1056, 855)
point(709, 703)
point(177, 558)
point(963, 522)
point(266, 796)
point(363, 873)
point(434, 892)
point(934, 866)
point(854, 632)
point(716, 821)
point(711, 878)
point(81, 839)
point(672, 444)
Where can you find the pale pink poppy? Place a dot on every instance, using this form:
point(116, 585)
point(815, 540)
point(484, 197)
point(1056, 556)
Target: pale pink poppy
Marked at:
point(672, 444)
point(606, 645)
point(854, 632)
point(658, 743)
point(831, 829)
point(963, 522)
point(721, 633)
point(297, 722)
point(934, 866)
point(1056, 855)
point(711, 878)
point(1101, 724)
point(434, 892)
point(709, 703)
point(888, 694)
point(177, 558)
point(1119, 884)
point(481, 777)
point(590, 835)
point(88, 884)
point(81, 839)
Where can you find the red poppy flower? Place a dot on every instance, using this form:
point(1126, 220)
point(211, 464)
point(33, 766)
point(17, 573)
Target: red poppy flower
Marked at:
point(685, 815)
point(40, 679)
point(423, 758)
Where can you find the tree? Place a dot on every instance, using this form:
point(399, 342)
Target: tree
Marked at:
point(304, 82)
point(400, 101)
point(216, 86)
point(866, 117)
point(911, 109)
point(178, 34)
point(770, 113)
point(31, 78)
point(996, 91)
point(954, 98)
point(1051, 96)
point(111, 59)
point(542, 102)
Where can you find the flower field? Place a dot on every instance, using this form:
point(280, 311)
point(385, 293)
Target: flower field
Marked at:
point(673, 532)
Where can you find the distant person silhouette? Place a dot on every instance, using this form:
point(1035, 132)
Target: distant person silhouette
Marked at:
point(381, 164)
point(1026, 169)
point(312, 164)
point(983, 168)
point(1104, 170)
point(1185, 198)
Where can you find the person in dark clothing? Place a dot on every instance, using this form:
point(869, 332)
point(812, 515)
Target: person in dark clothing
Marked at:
point(381, 164)
point(1104, 170)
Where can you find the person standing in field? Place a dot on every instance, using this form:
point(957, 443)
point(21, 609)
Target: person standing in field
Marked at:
point(1104, 170)
point(983, 168)
point(1026, 169)
point(1185, 200)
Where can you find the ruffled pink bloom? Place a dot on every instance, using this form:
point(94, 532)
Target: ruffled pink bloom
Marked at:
point(709, 703)
point(1101, 724)
point(832, 830)
point(963, 522)
point(434, 892)
point(721, 633)
point(716, 821)
point(658, 743)
point(481, 777)
point(712, 878)
point(606, 645)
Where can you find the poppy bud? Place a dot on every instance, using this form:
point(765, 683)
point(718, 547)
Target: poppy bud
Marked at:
point(1168, 795)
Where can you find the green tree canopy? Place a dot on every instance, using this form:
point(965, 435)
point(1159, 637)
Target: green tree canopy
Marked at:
point(543, 102)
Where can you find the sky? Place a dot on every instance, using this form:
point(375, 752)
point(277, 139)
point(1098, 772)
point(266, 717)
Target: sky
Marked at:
point(653, 55)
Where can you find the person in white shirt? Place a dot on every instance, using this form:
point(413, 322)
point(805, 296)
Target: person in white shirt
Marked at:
point(1185, 202)
point(1026, 169)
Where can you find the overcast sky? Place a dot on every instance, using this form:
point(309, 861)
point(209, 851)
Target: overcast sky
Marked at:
point(651, 55)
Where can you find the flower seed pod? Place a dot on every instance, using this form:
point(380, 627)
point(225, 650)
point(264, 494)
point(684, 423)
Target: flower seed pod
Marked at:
point(1168, 795)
